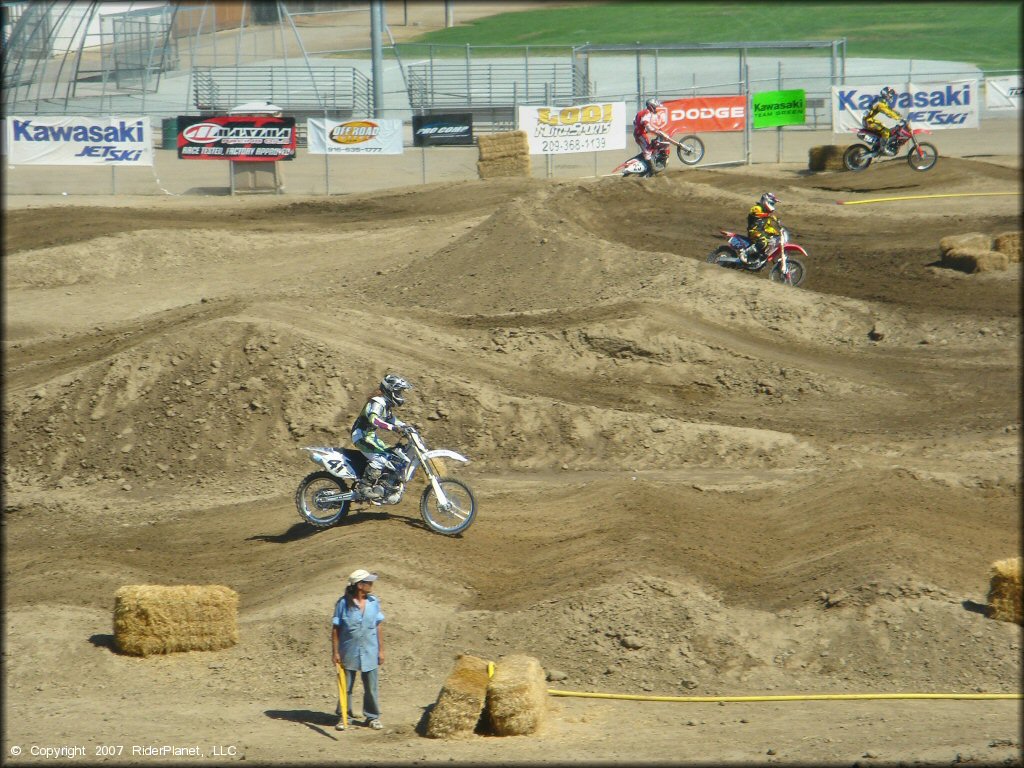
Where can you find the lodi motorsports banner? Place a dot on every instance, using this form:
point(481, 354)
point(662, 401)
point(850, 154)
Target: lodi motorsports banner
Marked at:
point(774, 108)
point(79, 141)
point(582, 128)
point(244, 139)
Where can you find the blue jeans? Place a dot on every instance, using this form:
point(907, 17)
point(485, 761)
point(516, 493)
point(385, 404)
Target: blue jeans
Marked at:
point(371, 697)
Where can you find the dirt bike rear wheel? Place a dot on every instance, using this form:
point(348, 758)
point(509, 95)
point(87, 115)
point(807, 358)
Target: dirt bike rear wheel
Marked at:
point(723, 252)
point(306, 499)
point(692, 150)
point(856, 157)
point(452, 521)
point(924, 157)
point(797, 273)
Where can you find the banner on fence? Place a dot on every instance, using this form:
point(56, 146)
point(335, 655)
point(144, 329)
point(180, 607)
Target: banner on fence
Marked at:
point(68, 140)
point(583, 128)
point(434, 130)
point(703, 114)
point(354, 137)
point(774, 108)
point(235, 137)
point(1002, 92)
point(937, 105)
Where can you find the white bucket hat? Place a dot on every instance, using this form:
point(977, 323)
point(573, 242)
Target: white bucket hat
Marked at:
point(356, 576)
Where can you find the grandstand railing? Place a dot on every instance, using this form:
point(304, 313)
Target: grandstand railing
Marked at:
point(337, 91)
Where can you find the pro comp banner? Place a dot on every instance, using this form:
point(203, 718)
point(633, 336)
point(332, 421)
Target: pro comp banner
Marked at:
point(239, 138)
point(79, 141)
point(1002, 92)
point(935, 105)
point(703, 114)
point(583, 128)
point(775, 108)
point(354, 137)
point(433, 130)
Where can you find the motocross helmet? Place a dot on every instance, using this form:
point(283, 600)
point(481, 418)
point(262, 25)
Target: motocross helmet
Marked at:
point(653, 105)
point(768, 202)
point(888, 95)
point(392, 387)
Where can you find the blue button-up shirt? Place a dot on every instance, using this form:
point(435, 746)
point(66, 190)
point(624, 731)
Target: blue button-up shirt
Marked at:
point(357, 633)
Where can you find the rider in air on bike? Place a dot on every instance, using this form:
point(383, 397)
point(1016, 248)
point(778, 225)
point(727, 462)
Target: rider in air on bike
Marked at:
point(643, 125)
point(377, 414)
point(884, 103)
point(762, 225)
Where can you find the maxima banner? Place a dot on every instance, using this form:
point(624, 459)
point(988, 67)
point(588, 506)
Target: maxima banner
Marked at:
point(935, 105)
point(239, 138)
point(703, 114)
point(431, 130)
point(583, 128)
point(79, 141)
point(775, 108)
point(1002, 92)
point(354, 137)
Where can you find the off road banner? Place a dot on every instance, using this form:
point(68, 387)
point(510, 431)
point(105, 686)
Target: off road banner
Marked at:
point(583, 128)
point(238, 138)
point(354, 137)
point(431, 130)
point(774, 108)
point(1002, 92)
point(703, 114)
point(936, 105)
point(67, 140)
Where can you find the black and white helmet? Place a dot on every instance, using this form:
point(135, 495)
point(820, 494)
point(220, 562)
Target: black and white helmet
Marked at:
point(653, 105)
point(768, 202)
point(392, 388)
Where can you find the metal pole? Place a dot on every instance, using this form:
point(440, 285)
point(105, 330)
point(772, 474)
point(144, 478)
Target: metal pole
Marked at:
point(449, 13)
point(547, 101)
point(746, 123)
point(376, 54)
point(113, 180)
point(639, 79)
point(778, 128)
point(327, 172)
point(423, 163)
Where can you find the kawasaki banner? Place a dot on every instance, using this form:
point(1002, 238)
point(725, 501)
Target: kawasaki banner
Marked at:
point(935, 105)
point(354, 137)
point(774, 108)
point(79, 141)
point(584, 128)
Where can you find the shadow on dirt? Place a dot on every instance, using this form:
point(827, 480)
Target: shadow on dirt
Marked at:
point(307, 717)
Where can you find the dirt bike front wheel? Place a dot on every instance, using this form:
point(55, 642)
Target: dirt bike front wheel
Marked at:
point(857, 157)
point(311, 499)
point(690, 150)
point(794, 275)
point(457, 515)
point(923, 157)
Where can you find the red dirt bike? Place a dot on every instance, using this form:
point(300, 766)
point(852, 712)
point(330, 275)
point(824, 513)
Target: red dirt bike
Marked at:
point(689, 150)
point(921, 157)
point(785, 269)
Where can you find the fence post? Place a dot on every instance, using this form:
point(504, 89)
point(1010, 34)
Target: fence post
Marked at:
point(746, 122)
point(547, 155)
point(778, 128)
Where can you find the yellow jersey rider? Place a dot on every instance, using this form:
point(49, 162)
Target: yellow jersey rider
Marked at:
point(884, 104)
point(762, 225)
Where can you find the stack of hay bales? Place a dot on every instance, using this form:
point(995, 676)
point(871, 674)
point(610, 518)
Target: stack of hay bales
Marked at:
point(976, 252)
point(154, 619)
point(1005, 591)
point(457, 710)
point(503, 154)
point(827, 157)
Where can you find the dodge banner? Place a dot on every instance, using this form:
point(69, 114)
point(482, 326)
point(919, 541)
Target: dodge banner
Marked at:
point(583, 128)
point(245, 139)
point(365, 136)
point(79, 141)
point(935, 105)
point(703, 114)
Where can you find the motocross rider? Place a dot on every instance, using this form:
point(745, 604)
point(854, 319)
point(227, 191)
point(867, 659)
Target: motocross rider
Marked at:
point(885, 104)
point(377, 414)
point(762, 225)
point(643, 124)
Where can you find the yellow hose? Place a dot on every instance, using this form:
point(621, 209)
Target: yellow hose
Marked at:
point(794, 697)
point(922, 197)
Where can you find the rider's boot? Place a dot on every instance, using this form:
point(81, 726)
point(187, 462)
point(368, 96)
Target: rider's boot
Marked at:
point(746, 253)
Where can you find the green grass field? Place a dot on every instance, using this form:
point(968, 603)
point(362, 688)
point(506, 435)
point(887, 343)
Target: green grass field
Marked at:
point(986, 34)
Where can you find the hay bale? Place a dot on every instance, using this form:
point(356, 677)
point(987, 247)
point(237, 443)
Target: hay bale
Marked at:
point(154, 619)
point(461, 701)
point(968, 241)
point(517, 696)
point(1008, 243)
point(1005, 591)
point(975, 261)
point(505, 144)
point(826, 157)
point(505, 166)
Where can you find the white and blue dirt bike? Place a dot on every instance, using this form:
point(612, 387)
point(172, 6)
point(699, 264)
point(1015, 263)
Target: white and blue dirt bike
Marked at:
point(323, 498)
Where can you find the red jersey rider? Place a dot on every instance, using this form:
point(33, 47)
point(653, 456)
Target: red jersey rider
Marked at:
point(643, 125)
point(884, 104)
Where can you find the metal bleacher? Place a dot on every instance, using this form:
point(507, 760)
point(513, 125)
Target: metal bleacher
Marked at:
point(317, 90)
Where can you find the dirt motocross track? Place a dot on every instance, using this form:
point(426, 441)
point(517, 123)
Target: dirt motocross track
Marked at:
point(691, 482)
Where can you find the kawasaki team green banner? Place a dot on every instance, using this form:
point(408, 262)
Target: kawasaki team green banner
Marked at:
point(773, 108)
